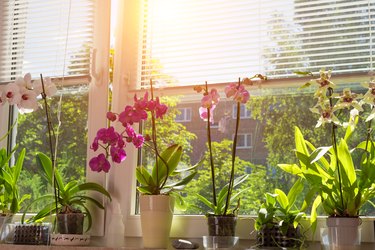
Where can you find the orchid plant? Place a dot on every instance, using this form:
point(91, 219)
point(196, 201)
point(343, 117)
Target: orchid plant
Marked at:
point(221, 202)
point(24, 94)
point(153, 180)
point(342, 184)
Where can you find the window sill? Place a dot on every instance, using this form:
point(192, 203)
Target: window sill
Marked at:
point(135, 243)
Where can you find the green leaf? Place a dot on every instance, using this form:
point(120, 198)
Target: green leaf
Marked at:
point(45, 162)
point(91, 186)
point(282, 199)
point(314, 214)
point(18, 167)
point(295, 190)
point(346, 161)
point(291, 168)
point(319, 153)
point(205, 201)
point(164, 167)
point(182, 182)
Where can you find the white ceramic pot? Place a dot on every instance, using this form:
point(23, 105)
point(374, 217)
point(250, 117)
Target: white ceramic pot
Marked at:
point(343, 232)
point(156, 219)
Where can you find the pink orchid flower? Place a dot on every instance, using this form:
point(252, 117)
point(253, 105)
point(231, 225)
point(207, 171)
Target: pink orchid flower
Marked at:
point(204, 114)
point(100, 163)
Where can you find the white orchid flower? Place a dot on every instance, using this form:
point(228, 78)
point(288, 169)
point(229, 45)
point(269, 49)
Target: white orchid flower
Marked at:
point(49, 87)
point(24, 82)
point(12, 93)
point(28, 101)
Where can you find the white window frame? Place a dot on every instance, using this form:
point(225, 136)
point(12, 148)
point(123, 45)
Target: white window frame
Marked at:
point(184, 112)
point(98, 101)
point(248, 140)
point(243, 115)
point(121, 179)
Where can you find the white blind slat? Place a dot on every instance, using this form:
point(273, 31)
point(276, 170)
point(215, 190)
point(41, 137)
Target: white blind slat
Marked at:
point(52, 38)
point(187, 41)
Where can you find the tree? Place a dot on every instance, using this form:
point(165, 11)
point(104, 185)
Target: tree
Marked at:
point(32, 134)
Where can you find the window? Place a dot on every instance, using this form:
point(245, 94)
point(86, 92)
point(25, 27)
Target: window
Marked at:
point(244, 141)
point(184, 115)
point(58, 39)
point(212, 43)
point(245, 112)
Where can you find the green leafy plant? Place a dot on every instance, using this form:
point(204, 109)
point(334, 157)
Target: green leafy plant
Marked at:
point(71, 197)
point(220, 206)
point(279, 215)
point(10, 199)
point(280, 209)
point(154, 180)
point(342, 184)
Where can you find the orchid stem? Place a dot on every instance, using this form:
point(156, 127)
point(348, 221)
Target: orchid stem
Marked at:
point(50, 134)
point(210, 151)
point(334, 140)
point(234, 149)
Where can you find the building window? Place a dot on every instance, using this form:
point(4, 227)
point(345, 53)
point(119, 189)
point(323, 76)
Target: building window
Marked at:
point(245, 113)
point(184, 115)
point(244, 141)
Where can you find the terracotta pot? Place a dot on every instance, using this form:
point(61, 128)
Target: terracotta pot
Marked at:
point(220, 225)
point(70, 223)
point(343, 231)
point(156, 219)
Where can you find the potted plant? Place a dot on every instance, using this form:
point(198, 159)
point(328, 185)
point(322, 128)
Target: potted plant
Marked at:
point(279, 219)
point(10, 199)
point(224, 203)
point(342, 184)
point(159, 191)
point(69, 201)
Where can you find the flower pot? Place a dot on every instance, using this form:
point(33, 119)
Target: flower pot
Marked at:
point(220, 225)
point(70, 223)
point(271, 236)
point(156, 219)
point(342, 232)
point(221, 231)
point(4, 219)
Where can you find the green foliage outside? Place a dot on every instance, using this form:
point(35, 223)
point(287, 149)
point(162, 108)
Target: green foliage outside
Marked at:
point(32, 134)
point(256, 183)
point(170, 132)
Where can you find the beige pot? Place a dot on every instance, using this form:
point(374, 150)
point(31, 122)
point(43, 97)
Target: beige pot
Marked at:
point(343, 232)
point(156, 219)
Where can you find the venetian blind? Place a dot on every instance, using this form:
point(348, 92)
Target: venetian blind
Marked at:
point(192, 41)
point(51, 37)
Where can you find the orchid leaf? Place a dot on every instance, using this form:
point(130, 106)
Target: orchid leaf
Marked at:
point(282, 199)
point(346, 161)
point(295, 190)
point(166, 163)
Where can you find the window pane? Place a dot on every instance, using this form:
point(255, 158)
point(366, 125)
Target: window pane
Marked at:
point(265, 140)
point(189, 42)
point(32, 134)
point(220, 43)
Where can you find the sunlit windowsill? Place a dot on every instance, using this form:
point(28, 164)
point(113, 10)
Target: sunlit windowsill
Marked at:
point(133, 243)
